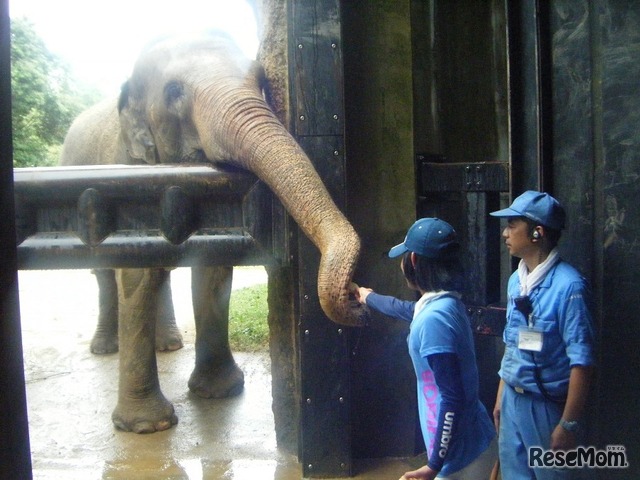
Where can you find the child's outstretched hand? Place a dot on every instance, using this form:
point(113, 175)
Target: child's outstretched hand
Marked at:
point(360, 293)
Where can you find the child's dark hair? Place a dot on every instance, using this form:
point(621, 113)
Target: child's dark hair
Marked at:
point(433, 274)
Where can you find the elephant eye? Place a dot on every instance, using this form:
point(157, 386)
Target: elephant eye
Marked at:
point(173, 91)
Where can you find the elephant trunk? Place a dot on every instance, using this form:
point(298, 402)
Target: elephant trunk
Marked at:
point(257, 141)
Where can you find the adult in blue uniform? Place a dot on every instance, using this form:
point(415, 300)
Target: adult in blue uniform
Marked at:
point(547, 365)
point(457, 430)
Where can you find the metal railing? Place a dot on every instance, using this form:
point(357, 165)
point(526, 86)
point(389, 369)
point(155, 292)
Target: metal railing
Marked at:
point(141, 216)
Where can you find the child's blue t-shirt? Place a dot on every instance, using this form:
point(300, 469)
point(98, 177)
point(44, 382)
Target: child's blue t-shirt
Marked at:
point(441, 325)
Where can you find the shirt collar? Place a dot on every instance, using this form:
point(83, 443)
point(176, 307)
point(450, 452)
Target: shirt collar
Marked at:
point(429, 297)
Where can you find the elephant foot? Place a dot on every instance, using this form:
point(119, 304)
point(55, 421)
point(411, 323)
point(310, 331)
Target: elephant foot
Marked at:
point(148, 416)
point(104, 343)
point(222, 381)
point(168, 338)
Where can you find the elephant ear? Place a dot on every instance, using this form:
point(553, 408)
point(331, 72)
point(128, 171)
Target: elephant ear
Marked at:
point(136, 133)
point(272, 89)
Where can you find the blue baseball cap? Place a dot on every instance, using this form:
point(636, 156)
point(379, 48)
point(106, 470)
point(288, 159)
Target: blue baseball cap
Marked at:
point(540, 207)
point(428, 237)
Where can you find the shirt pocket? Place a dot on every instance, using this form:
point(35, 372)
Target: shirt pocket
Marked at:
point(515, 321)
point(511, 332)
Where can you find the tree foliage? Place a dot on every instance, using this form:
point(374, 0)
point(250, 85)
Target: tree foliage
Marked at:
point(45, 98)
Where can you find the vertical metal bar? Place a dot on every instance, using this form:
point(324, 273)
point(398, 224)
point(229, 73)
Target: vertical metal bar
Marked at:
point(483, 269)
point(316, 75)
point(530, 85)
point(15, 457)
point(482, 256)
point(545, 97)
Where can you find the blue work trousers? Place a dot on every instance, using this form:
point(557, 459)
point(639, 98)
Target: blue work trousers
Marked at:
point(527, 420)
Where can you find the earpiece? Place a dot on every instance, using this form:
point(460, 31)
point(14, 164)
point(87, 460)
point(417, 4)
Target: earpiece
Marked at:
point(535, 234)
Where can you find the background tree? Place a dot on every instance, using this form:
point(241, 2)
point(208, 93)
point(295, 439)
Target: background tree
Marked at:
point(45, 98)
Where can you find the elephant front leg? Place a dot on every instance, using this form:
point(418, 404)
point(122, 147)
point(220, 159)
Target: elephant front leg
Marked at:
point(142, 408)
point(216, 374)
point(105, 338)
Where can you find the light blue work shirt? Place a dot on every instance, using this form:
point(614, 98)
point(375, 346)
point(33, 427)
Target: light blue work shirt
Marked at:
point(561, 311)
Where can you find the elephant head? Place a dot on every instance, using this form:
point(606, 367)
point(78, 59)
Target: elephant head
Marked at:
point(199, 99)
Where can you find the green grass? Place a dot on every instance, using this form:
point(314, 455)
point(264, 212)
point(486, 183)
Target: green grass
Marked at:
point(248, 328)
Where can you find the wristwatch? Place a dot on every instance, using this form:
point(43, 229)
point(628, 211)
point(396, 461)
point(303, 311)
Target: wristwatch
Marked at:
point(571, 426)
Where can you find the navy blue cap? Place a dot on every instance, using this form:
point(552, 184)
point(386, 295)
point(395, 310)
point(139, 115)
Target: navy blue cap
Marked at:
point(540, 207)
point(428, 237)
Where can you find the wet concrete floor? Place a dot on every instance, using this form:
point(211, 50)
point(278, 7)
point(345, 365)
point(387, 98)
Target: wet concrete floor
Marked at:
point(71, 394)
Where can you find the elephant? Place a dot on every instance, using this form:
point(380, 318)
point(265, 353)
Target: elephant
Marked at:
point(190, 99)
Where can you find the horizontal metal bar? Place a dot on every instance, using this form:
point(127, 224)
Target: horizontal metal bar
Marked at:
point(463, 177)
point(65, 251)
point(41, 183)
point(141, 216)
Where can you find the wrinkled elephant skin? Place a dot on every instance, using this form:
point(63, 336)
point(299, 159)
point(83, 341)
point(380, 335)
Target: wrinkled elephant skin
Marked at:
point(105, 338)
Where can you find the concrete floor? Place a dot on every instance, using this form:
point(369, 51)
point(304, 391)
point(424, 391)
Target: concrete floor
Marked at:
point(71, 394)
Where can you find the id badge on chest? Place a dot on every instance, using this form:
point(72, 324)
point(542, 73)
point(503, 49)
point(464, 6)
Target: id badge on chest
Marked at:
point(530, 339)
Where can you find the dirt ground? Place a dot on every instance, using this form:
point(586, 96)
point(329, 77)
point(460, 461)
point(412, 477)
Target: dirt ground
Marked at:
point(71, 394)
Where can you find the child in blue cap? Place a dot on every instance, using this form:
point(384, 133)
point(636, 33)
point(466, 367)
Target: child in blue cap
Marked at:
point(457, 430)
point(547, 364)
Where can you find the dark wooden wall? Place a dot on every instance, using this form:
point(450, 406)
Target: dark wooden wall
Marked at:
point(15, 457)
point(551, 90)
point(317, 117)
point(381, 199)
point(580, 143)
point(596, 167)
